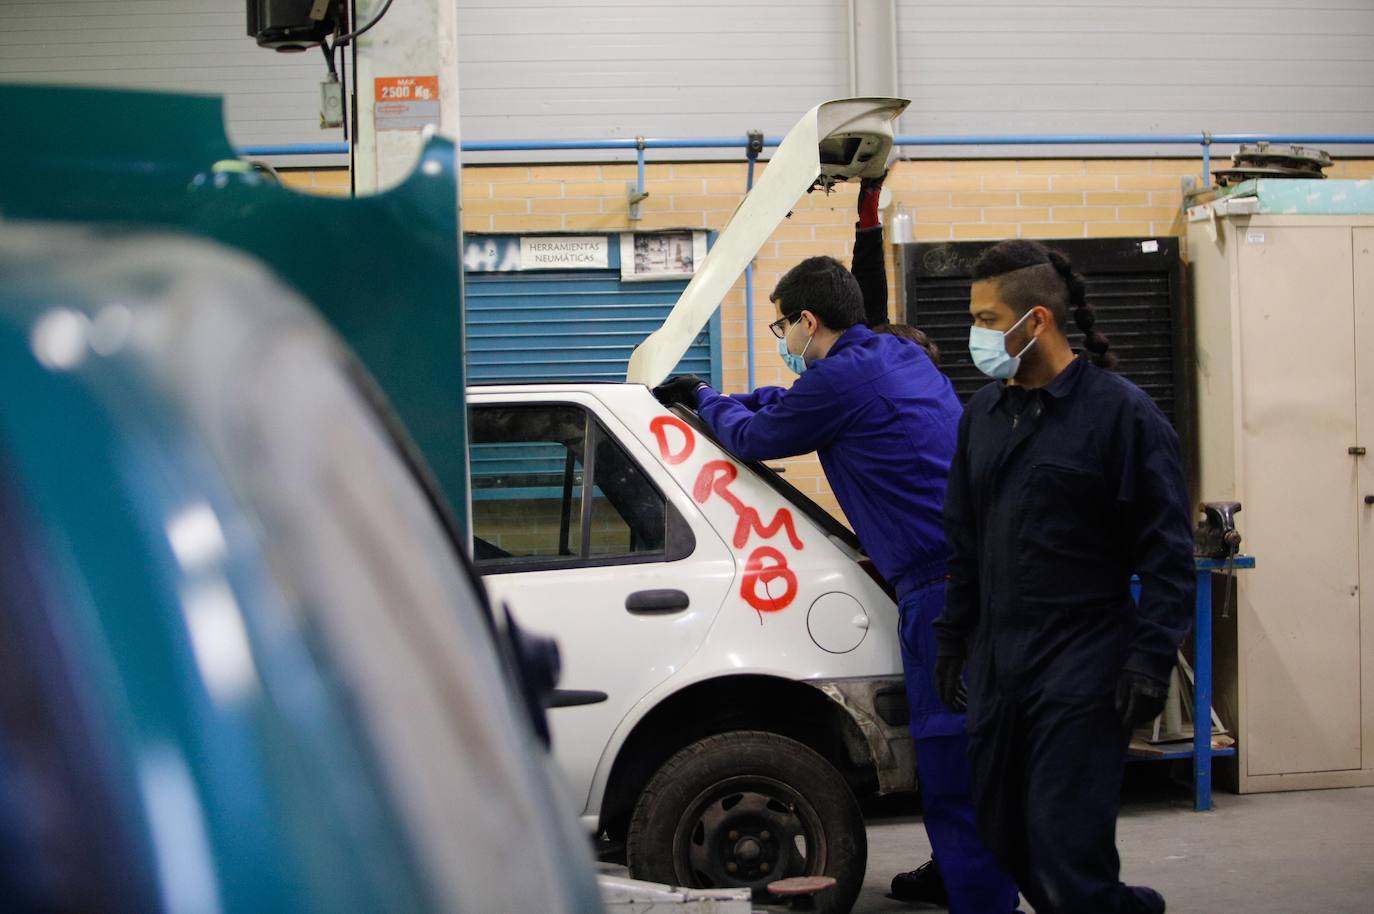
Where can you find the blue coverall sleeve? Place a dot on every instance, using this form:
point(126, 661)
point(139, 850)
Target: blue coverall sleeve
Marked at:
point(960, 616)
point(1154, 496)
point(758, 399)
point(797, 421)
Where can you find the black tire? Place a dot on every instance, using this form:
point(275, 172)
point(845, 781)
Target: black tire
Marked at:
point(762, 803)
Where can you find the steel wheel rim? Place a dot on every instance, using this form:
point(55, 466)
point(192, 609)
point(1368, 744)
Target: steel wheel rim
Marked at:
point(760, 825)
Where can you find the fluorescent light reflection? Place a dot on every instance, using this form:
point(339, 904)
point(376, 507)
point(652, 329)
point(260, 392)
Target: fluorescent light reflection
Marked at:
point(219, 640)
point(181, 845)
point(197, 538)
point(58, 339)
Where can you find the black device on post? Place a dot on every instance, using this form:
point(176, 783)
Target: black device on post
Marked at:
point(292, 25)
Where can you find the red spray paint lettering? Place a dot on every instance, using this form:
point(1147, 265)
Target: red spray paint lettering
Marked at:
point(659, 426)
point(765, 566)
point(716, 476)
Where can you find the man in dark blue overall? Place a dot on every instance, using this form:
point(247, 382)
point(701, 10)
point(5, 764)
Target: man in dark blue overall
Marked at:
point(883, 420)
point(1066, 480)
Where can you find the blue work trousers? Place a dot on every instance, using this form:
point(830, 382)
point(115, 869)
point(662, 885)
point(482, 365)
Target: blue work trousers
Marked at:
point(975, 883)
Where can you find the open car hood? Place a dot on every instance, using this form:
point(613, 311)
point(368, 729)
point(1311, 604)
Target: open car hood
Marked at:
point(833, 142)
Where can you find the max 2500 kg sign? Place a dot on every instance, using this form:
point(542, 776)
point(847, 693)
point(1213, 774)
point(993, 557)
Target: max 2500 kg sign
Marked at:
point(405, 102)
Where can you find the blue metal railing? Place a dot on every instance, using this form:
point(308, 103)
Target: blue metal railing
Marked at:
point(998, 139)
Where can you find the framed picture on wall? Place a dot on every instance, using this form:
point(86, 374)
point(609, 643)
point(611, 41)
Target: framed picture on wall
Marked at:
point(661, 255)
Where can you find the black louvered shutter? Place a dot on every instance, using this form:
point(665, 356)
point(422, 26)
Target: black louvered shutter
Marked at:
point(1135, 284)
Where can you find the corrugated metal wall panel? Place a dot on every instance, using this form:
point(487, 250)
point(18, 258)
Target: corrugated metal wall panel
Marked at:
point(620, 68)
point(1118, 66)
point(196, 46)
point(547, 69)
point(569, 326)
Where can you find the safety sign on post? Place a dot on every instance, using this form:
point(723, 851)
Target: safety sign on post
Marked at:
point(406, 102)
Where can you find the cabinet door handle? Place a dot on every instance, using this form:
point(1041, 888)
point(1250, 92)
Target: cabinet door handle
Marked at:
point(1369, 499)
point(1355, 451)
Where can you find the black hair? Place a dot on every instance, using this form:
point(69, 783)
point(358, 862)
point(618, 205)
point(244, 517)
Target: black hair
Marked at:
point(1028, 273)
point(908, 332)
point(826, 288)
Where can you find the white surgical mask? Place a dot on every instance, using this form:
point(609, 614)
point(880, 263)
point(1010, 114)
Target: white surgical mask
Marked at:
point(989, 350)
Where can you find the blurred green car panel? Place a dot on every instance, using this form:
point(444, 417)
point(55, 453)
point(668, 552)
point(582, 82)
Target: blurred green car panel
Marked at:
point(383, 270)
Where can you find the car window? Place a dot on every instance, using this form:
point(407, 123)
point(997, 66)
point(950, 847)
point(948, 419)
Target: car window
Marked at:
point(385, 599)
point(531, 504)
point(295, 564)
point(367, 580)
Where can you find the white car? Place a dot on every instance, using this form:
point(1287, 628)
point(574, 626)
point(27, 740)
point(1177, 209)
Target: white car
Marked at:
point(731, 672)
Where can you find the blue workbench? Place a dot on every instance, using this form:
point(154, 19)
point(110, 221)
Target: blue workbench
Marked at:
point(1202, 752)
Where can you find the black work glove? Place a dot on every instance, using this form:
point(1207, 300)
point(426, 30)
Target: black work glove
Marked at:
point(682, 389)
point(949, 683)
point(1139, 698)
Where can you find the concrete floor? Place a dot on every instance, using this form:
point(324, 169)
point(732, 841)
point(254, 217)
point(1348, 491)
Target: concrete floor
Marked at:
point(1289, 853)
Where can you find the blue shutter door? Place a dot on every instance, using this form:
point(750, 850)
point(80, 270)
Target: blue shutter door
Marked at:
point(578, 325)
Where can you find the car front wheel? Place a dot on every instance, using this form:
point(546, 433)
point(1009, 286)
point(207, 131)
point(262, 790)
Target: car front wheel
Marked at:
point(743, 809)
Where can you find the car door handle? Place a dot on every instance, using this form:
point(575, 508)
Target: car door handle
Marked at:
point(657, 602)
point(574, 698)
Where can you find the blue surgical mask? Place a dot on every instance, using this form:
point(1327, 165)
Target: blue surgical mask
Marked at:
point(795, 362)
point(989, 350)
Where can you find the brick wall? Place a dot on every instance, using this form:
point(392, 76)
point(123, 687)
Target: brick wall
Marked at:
point(331, 182)
point(949, 200)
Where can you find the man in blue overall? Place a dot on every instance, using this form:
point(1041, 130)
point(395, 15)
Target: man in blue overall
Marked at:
point(1066, 480)
point(883, 420)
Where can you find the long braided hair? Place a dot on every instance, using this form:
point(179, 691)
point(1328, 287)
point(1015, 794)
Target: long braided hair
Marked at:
point(1028, 273)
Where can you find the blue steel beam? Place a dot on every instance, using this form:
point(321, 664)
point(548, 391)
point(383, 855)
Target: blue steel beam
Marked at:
point(1003, 139)
point(749, 290)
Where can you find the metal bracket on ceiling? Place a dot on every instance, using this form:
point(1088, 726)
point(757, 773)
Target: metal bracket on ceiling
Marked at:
point(755, 145)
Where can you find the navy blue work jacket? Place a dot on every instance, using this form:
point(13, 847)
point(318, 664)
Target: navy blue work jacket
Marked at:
point(1056, 496)
point(883, 420)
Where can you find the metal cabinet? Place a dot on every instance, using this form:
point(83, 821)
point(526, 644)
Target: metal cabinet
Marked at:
point(1284, 310)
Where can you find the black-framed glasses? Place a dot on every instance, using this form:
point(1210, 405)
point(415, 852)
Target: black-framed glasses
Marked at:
point(779, 326)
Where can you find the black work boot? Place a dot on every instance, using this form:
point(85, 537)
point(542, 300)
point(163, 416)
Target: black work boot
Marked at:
point(924, 884)
point(1148, 901)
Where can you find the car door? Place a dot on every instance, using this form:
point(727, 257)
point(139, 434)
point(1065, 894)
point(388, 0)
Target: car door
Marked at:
point(624, 572)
